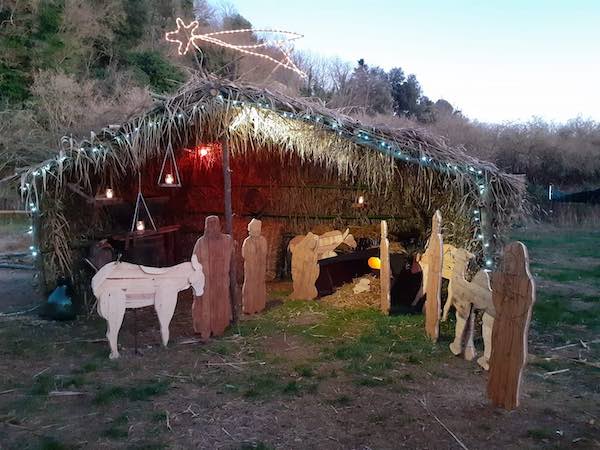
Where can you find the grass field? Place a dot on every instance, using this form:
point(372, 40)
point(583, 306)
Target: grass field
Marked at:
point(308, 375)
point(566, 266)
point(13, 229)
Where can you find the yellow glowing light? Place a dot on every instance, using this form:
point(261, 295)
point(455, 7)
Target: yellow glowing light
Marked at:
point(361, 200)
point(185, 36)
point(109, 193)
point(374, 262)
point(140, 226)
point(169, 179)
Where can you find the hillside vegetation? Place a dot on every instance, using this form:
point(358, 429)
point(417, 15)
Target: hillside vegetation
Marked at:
point(71, 66)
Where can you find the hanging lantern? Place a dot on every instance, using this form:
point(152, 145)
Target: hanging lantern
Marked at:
point(109, 193)
point(169, 172)
point(137, 224)
point(360, 202)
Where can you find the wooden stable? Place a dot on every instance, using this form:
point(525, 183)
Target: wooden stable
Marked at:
point(239, 152)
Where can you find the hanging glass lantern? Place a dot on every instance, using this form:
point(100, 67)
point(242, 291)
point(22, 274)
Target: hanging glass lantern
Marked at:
point(169, 172)
point(169, 179)
point(360, 201)
point(137, 224)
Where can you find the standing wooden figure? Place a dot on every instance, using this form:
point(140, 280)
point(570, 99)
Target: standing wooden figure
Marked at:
point(305, 267)
point(254, 252)
point(433, 255)
point(384, 271)
point(211, 312)
point(513, 294)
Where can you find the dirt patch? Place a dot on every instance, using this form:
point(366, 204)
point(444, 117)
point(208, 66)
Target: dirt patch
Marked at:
point(292, 348)
point(18, 290)
point(233, 391)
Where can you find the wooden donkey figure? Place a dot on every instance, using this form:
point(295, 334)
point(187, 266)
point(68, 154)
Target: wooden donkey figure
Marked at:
point(121, 285)
point(466, 297)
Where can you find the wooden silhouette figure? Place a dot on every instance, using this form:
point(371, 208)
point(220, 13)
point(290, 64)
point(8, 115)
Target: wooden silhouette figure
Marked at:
point(433, 255)
point(211, 312)
point(513, 294)
point(254, 252)
point(305, 268)
point(468, 296)
point(384, 271)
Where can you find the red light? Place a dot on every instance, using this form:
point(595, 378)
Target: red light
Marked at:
point(203, 151)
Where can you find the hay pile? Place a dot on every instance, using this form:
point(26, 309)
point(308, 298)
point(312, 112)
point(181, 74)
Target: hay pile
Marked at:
point(344, 297)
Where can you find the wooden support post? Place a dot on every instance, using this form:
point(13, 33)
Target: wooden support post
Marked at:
point(38, 260)
point(486, 226)
point(384, 270)
point(236, 304)
point(227, 188)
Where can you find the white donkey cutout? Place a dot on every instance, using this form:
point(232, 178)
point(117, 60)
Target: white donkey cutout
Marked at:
point(120, 285)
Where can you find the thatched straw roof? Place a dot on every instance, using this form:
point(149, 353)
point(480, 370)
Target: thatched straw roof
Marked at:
point(256, 119)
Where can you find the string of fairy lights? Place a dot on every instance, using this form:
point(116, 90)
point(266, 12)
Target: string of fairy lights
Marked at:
point(360, 137)
point(391, 148)
point(185, 36)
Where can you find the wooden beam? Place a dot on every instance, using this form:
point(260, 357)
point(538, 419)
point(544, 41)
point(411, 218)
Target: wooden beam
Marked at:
point(384, 270)
point(227, 188)
point(236, 303)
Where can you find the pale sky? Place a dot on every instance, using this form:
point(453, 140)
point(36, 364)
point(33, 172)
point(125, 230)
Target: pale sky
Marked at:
point(494, 60)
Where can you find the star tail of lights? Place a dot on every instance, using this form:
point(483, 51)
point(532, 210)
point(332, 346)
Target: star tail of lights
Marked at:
point(186, 36)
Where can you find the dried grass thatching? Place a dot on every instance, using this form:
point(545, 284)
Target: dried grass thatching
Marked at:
point(255, 120)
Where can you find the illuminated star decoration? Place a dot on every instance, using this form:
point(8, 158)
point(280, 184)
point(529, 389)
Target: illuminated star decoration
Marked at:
point(185, 36)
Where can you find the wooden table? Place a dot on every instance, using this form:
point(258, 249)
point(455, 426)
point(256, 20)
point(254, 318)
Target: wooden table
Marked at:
point(149, 247)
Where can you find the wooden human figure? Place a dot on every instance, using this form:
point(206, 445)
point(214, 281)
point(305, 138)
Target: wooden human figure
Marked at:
point(384, 271)
point(513, 294)
point(211, 312)
point(254, 252)
point(305, 267)
point(433, 255)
